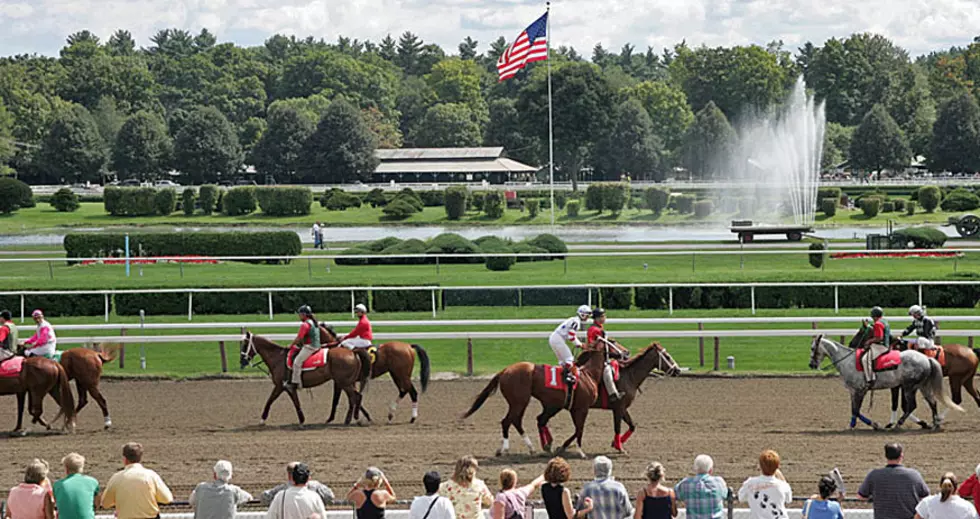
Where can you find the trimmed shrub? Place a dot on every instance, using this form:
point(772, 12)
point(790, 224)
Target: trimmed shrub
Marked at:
point(187, 201)
point(593, 198)
point(65, 200)
point(207, 197)
point(922, 237)
point(684, 204)
point(239, 201)
point(377, 246)
point(929, 198)
point(130, 201)
point(60, 305)
point(95, 245)
point(526, 248)
point(478, 198)
point(338, 200)
point(401, 300)
point(14, 195)
point(491, 240)
point(165, 201)
point(456, 198)
point(493, 205)
point(871, 206)
point(573, 208)
point(829, 206)
point(286, 200)
point(899, 204)
point(433, 198)
point(412, 246)
point(497, 263)
point(533, 207)
point(824, 193)
point(561, 197)
point(411, 197)
point(960, 200)
point(819, 255)
point(452, 243)
point(888, 207)
point(656, 199)
point(616, 298)
point(703, 208)
point(399, 209)
point(910, 208)
point(550, 243)
point(614, 196)
point(355, 251)
point(376, 197)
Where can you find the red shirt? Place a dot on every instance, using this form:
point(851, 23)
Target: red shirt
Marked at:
point(304, 333)
point(878, 330)
point(971, 489)
point(362, 330)
point(4, 332)
point(595, 331)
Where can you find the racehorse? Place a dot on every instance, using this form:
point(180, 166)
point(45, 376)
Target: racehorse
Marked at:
point(523, 380)
point(39, 376)
point(632, 373)
point(915, 372)
point(395, 358)
point(346, 368)
point(84, 366)
point(961, 367)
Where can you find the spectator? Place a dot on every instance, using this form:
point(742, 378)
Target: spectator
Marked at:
point(655, 501)
point(135, 491)
point(218, 499)
point(468, 494)
point(970, 489)
point(511, 501)
point(894, 489)
point(557, 498)
point(609, 497)
point(768, 494)
point(946, 504)
point(431, 505)
point(371, 495)
point(325, 493)
point(704, 493)
point(76, 494)
point(31, 499)
point(297, 501)
point(820, 506)
point(317, 237)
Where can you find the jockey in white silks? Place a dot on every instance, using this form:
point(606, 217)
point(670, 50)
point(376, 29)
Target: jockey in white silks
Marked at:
point(44, 342)
point(567, 333)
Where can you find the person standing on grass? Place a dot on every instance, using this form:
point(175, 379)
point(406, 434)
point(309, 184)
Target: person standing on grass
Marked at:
point(315, 231)
point(76, 495)
point(136, 492)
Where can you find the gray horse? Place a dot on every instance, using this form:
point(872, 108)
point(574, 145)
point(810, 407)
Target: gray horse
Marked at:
point(915, 372)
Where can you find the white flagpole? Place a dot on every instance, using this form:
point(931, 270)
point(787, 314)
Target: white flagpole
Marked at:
point(551, 135)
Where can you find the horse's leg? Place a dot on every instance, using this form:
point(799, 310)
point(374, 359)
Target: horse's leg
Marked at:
point(394, 404)
point(544, 432)
point(617, 427)
point(20, 413)
point(857, 398)
point(908, 405)
point(517, 419)
point(578, 419)
point(36, 405)
point(351, 405)
point(294, 396)
point(505, 431)
point(336, 402)
point(632, 427)
point(82, 395)
point(937, 419)
point(894, 417)
point(414, 395)
point(99, 399)
point(970, 388)
point(276, 391)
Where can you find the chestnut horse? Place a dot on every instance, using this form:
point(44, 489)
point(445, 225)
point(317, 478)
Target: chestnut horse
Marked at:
point(395, 358)
point(84, 366)
point(346, 368)
point(519, 382)
point(38, 377)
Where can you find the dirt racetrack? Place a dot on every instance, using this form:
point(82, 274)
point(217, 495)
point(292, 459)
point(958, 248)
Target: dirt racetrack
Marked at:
point(186, 426)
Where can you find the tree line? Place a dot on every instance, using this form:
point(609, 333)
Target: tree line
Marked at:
point(307, 110)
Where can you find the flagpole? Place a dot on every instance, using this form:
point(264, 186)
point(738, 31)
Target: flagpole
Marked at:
point(551, 135)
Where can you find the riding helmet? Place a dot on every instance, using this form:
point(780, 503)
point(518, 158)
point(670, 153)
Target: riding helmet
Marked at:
point(305, 310)
point(597, 313)
point(877, 312)
point(915, 310)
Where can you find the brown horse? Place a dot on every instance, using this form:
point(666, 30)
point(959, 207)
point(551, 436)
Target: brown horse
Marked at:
point(397, 359)
point(519, 382)
point(632, 373)
point(84, 366)
point(346, 368)
point(38, 377)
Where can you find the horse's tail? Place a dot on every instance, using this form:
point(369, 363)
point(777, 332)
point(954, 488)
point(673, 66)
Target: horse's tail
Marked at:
point(108, 352)
point(365, 375)
point(484, 395)
point(935, 386)
point(67, 400)
point(425, 370)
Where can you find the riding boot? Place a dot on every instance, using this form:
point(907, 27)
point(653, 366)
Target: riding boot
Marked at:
point(610, 383)
point(288, 381)
point(569, 378)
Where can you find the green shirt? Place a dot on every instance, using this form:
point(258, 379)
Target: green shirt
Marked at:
point(75, 496)
point(10, 342)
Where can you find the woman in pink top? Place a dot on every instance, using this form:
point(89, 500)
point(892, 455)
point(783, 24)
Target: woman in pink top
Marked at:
point(511, 501)
point(31, 499)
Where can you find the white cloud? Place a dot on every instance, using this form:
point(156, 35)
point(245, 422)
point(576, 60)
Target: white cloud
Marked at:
point(918, 25)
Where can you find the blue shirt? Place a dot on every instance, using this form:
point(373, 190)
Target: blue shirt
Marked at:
point(703, 496)
point(609, 499)
point(816, 509)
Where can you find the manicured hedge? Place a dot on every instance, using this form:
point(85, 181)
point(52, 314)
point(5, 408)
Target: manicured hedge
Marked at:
point(239, 201)
point(64, 201)
point(285, 201)
point(130, 201)
point(56, 306)
point(165, 201)
point(236, 303)
point(922, 237)
point(482, 297)
point(616, 298)
point(456, 198)
point(449, 243)
point(276, 243)
point(207, 197)
point(401, 300)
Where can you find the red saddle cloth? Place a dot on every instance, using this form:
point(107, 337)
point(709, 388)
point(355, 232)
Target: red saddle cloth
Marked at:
point(11, 367)
point(317, 360)
point(890, 360)
point(555, 379)
point(937, 353)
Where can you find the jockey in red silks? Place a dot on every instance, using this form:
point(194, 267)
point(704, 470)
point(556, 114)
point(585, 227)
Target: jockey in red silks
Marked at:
point(597, 341)
point(44, 341)
point(308, 339)
point(8, 335)
point(876, 345)
point(361, 336)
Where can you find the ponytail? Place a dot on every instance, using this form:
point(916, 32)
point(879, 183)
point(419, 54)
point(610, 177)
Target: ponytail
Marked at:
point(947, 486)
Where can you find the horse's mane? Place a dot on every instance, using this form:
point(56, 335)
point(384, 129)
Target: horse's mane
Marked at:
point(268, 341)
point(643, 353)
point(328, 328)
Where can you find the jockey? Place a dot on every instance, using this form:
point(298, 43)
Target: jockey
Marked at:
point(8, 335)
point(308, 339)
point(566, 332)
point(924, 327)
point(597, 341)
point(876, 345)
point(44, 341)
point(361, 335)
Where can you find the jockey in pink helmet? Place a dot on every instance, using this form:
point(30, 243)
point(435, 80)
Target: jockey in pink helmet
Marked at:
point(44, 341)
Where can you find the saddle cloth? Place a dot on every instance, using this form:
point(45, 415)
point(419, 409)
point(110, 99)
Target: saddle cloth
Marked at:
point(603, 394)
point(554, 378)
point(317, 360)
point(11, 367)
point(937, 353)
point(888, 361)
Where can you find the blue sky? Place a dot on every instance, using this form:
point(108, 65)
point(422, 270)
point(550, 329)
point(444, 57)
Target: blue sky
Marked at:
point(918, 25)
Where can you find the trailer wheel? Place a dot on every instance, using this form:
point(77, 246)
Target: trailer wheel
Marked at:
point(794, 236)
point(968, 226)
point(746, 237)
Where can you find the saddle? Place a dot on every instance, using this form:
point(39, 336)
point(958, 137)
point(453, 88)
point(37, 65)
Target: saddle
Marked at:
point(603, 394)
point(886, 362)
point(937, 353)
point(11, 367)
point(317, 360)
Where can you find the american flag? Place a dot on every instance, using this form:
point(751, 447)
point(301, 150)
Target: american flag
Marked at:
point(530, 46)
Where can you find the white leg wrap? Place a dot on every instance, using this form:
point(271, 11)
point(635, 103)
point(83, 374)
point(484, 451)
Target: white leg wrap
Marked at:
point(505, 446)
point(527, 441)
point(915, 419)
point(894, 417)
point(942, 415)
point(393, 406)
point(415, 409)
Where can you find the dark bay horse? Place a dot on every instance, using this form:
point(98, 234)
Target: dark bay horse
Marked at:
point(632, 373)
point(523, 380)
point(84, 366)
point(39, 377)
point(396, 359)
point(345, 367)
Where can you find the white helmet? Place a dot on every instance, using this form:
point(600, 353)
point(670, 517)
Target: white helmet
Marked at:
point(584, 312)
point(916, 310)
point(360, 308)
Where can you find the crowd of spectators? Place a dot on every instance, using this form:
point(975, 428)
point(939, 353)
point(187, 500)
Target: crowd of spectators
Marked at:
point(136, 492)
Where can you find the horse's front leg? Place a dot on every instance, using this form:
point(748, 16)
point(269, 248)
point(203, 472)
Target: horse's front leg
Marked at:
point(896, 392)
point(268, 404)
point(294, 396)
point(336, 402)
point(857, 399)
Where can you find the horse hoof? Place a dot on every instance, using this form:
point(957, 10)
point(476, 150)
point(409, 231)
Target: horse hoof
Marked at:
point(108, 424)
point(499, 453)
point(412, 420)
point(18, 433)
point(875, 426)
point(889, 426)
point(926, 426)
point(262, 422)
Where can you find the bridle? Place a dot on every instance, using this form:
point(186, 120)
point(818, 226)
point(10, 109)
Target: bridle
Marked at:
point(816, 344)
point(252, 357)
point(672, 366)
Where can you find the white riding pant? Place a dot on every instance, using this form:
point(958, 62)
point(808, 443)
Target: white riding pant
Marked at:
point(922, 343)
point(5, 354)
point(560, 347)
point(41, 351)
point(355, 342)
point(305, 352)
point(875, 351)
point(607, 378)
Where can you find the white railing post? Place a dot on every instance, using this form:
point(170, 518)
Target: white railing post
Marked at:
point(433, 303)
point(190, 306)
point(271, 316)
point(22, 309)
point(836, 299)
point(752, 293)
point(920, 295)
point(106, 299)
point(670, 297)
point(589, 289)
point(352, 303)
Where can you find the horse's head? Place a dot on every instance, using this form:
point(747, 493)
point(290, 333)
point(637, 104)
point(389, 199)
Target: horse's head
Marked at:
point(665, 362)
point(246, 349)
point(329, 332)
point(817, 352)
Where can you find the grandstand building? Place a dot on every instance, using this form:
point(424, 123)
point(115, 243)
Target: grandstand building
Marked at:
point(450, 165)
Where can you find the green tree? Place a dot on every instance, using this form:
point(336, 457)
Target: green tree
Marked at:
point(206, 148)
point(956, 136)
point(329, 73)
point(7, 147)
point(448, 125)
point(668, 110)
point(72, 149)
point(505, 129)
point(878, 143)
point(456, 80)
point(143, 148)
point(312, 107)
point(836, 145)
point(108, 119)
point(467, 48)
point(708, 142)
point(631, 148)
point(341, 150)
point(415, 97)
point(280, 150)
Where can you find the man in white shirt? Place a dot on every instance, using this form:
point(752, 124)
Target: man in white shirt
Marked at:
point(297, 501)
point(768, 494)
point(431, 505)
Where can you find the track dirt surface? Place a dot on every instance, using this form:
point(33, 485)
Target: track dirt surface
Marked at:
point(186, 426)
